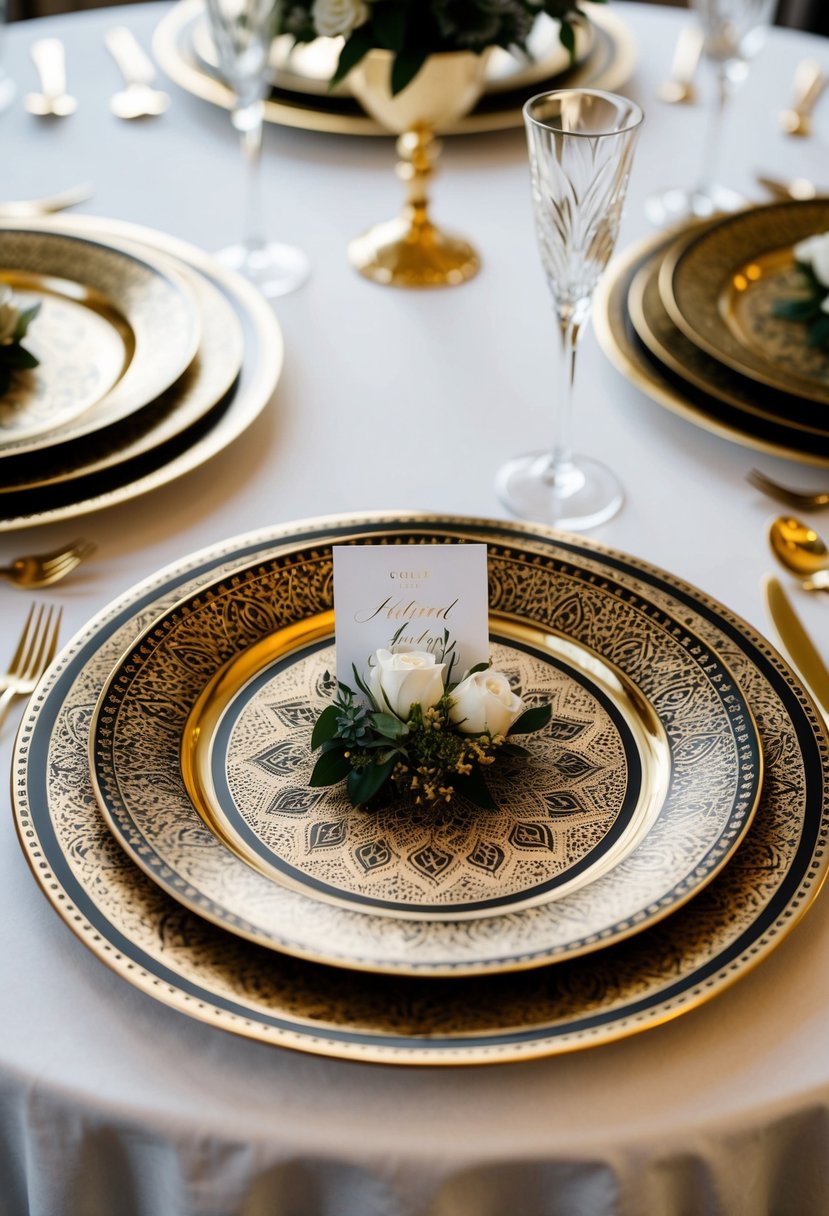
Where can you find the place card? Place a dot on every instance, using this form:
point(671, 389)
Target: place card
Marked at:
point(409, 597)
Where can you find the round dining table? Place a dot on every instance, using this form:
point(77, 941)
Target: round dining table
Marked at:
point(392, 401)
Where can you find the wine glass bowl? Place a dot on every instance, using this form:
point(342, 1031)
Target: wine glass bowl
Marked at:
point(581, 144)
point(242, 31)
point(734, 32)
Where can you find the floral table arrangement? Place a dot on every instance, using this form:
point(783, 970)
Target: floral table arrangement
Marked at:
point(812, 260)
point(14, 324)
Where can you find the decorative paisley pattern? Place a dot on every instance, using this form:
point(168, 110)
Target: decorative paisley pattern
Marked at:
point(692, 815)
point(184, 961)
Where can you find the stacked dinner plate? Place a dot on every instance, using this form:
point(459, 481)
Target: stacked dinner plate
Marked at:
point(152, 358)
point(667, 830)
point(605, 56)
point(689, 318)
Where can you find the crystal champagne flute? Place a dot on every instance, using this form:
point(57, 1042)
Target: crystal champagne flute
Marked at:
point(242, 32)
point(581, 144)
point(734, 32)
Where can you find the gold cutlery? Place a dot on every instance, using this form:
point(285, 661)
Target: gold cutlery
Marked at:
point(35, 651)
point(797, 643)
point(798, 188)
point(139, 99)
point(803, 500)
point(680, 88)
point(53, 100)
point(809, 83)
point(41, 570)
point(21, 209)
point(801, 551)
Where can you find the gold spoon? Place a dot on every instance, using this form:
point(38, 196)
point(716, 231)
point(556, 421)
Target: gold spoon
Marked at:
point(801, 551)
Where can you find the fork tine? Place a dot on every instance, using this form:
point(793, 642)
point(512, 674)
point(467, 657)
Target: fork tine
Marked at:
point(41, 657)
point(17, 657)
point(794, 498)
point(69, 557)
point(37, 645)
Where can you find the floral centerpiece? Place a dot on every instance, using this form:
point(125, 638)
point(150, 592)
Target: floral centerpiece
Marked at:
point(812, 260)
point(14, 323)
point(410, 730)
point(415, 29)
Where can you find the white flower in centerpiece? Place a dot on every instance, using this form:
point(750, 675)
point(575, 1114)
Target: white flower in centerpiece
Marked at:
point(9, 314)
point(333, 17)
point(814, 252)
point(484, 703)
point(398, 681)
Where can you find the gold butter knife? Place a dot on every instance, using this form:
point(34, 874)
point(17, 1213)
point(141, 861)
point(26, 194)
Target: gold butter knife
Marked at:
point(797, 643)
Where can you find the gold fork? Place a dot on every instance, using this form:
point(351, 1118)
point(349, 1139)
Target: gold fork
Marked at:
point(35, 651)
point(41, 570)
point(803, 499)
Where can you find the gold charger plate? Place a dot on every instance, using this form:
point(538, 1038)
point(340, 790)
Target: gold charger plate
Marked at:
point(636, 795)
point(625, 350)
point(115, 330)
point(156, 465)
point(203, 386)
point(720, 287)
point(191, 965)
point(669, 345)
point(609, 65)
point(308, 67)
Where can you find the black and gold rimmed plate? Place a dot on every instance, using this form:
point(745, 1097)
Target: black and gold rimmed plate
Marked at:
point(636, 795)
point(154, 450)
point(115, 329)
point(193, 966)
point(608, 65)
point(720, 287)
point(671, 389)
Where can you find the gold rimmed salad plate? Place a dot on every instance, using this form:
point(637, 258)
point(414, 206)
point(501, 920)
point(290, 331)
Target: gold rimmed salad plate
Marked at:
point(672, 389)
point(720, 287)
point(115, 329)
point(608, 65)
point(638, 792)
point(308, 67)
point(179, 958)
point(126, 463)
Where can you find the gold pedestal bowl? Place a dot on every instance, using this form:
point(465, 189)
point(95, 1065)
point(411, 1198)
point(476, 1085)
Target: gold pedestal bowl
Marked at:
point(411, 251)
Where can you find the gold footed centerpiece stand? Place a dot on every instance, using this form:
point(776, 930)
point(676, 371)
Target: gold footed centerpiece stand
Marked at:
point(411, 251)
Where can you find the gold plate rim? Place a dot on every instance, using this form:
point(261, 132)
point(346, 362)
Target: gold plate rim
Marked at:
point(163, 349)
point(194, 989)
point(609, 307)
point(292, 929)
point(168, 53)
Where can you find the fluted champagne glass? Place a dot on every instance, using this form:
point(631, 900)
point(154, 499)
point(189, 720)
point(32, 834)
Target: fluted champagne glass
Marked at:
point(242, 31)
point(734, 32)
point(581, 145)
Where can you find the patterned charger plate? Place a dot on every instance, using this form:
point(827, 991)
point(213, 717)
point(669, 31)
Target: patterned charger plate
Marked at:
point(115, 329)
point(637, 794)
point(184, 961)
point(720, 288)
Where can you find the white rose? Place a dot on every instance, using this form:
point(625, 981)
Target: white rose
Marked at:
point(333, 17)
point(8, 315)
point(484, 702)
point(814, 252)
point(397, 681)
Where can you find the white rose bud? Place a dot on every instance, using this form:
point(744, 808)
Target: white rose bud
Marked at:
point(814, 252)
point(8, 315)
point(484, 703)
point(398, 681)
point(335, 17)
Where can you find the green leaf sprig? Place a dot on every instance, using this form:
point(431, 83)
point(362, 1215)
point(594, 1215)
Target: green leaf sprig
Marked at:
point(808, 308)
point(15, 323)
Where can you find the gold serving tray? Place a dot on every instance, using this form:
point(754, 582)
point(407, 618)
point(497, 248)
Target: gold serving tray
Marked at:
point(719, 288)
point(184, 961)
point(136, 464)
point(620, 342)
point(206, 382)
point(637, 795)
point(609, 65)
point(115, 330)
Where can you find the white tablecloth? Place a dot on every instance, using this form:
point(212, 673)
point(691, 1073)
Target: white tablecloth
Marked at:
point(110, 1102)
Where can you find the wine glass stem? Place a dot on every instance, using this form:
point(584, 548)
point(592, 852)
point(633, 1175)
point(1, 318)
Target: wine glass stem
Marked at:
point(711, 153)
point(248, 121)
point(570, 326)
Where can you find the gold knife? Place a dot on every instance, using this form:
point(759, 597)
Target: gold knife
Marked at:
point(797, 642)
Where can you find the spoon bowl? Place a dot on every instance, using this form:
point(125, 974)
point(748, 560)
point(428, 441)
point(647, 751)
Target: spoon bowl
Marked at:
point(45, 106)
point(797, 546)
point(138, 101)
